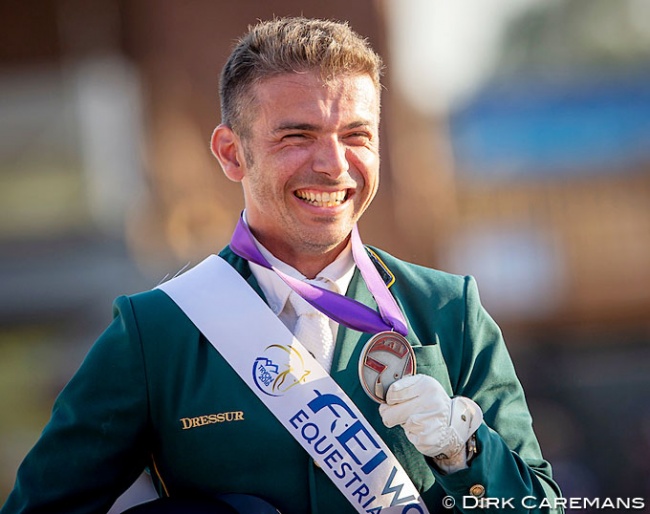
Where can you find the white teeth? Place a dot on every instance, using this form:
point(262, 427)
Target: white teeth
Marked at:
point(324, 199)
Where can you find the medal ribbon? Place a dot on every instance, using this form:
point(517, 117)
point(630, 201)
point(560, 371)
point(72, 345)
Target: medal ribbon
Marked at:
point(341, 309)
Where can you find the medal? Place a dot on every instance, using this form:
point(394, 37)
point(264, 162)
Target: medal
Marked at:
point(386, 358)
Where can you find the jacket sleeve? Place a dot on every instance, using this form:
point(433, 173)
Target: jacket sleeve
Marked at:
point(509, 466)
point(95, 444)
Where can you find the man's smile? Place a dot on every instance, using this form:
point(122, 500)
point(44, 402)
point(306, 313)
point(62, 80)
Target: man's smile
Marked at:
point(322, 198)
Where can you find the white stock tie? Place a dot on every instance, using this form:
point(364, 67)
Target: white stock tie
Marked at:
point(313, 328)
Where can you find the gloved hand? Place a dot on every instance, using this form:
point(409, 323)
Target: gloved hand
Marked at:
point(437, 425)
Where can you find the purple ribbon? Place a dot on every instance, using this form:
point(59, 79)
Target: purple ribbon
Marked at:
point(341, 309)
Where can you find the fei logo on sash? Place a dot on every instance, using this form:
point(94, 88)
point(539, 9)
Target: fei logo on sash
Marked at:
point(278, 369)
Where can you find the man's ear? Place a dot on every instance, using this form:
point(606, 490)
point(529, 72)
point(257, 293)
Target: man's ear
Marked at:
point(226, 147)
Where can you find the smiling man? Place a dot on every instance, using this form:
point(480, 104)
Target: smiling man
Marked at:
point(299, 368)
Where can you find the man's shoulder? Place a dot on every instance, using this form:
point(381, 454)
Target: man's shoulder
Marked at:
point(156, 299)
point(156, 304)
point(145, 306)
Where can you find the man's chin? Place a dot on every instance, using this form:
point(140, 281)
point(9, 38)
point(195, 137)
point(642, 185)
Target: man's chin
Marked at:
point(324, 241)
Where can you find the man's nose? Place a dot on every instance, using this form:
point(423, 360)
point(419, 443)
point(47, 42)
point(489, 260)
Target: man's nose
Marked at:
point(331, 157)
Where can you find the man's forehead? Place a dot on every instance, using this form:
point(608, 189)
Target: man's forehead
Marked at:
point(307, 92)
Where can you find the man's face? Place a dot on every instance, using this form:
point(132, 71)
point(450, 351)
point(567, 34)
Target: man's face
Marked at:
point(311, 160)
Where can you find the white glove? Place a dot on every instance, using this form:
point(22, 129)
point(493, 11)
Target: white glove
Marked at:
point(437, 425)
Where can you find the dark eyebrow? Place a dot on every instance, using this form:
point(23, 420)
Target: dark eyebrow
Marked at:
point(295, 126)
point(308, 127)
point(358, 124)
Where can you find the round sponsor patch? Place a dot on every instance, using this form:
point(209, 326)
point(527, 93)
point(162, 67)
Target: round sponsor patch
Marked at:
point(386, 358)
point(278, 369)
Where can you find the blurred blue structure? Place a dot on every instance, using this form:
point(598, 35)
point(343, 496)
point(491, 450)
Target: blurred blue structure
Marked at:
point(541, 128)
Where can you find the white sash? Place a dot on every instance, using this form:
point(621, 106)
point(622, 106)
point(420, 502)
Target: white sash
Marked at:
point(294, 387)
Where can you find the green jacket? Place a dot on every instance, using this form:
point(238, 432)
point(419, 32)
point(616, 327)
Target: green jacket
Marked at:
point(153, 392)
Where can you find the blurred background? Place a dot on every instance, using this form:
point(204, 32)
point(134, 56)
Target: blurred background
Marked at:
point(516, 148)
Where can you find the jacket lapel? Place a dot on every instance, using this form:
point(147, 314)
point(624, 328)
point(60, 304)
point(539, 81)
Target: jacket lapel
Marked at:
point(345, 371)
point(349, 342)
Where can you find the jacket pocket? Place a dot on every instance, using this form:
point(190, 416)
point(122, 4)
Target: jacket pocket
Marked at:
point(429, 361)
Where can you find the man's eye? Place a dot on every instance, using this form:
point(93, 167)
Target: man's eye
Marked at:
point(293, 136)
point(358, 137)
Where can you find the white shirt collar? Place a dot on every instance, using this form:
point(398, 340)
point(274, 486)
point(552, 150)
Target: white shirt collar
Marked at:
point(339, 273)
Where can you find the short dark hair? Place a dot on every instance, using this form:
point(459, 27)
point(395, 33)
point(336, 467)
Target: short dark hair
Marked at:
point(291, 45)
